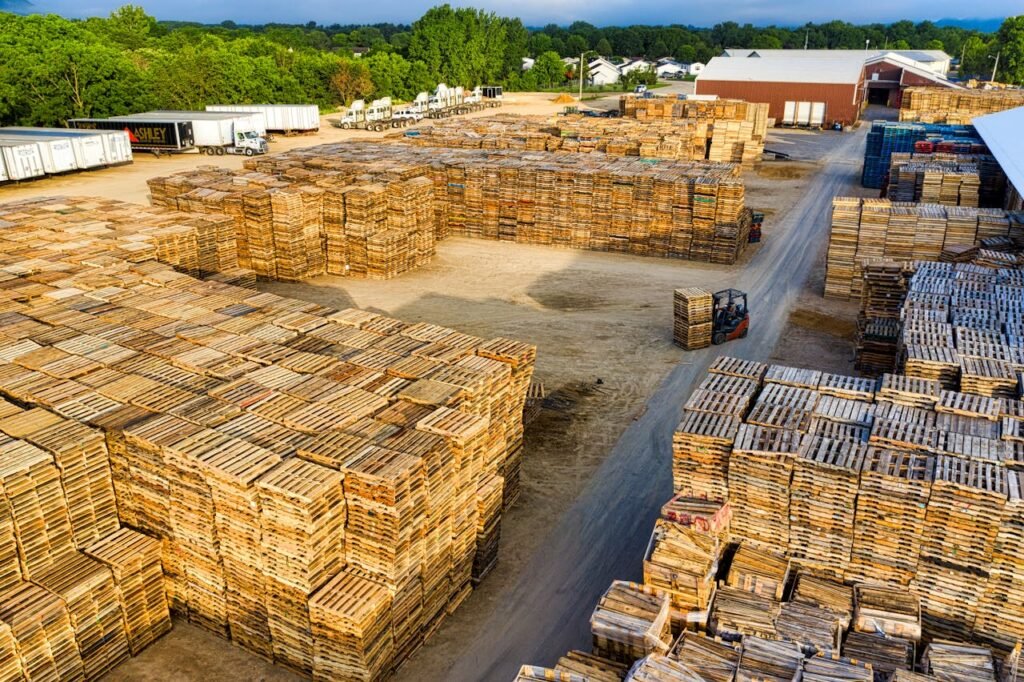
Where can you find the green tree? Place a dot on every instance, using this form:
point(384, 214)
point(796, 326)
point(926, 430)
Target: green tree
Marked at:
point(658, 50)
point(352, 81)
point(130, 26)
point(603, 47)
point(389, 73)
point(975, 57)
point(934, 44)
point(576, 44)
point(1010, 46)
point(901, 44)
point(549, 69)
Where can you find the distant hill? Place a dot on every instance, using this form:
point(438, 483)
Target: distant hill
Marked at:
point(16, 6)
point(984, 25)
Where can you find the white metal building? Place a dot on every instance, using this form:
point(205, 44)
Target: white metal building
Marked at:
point(1002, 135)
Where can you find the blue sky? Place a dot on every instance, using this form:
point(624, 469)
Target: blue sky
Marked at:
point(539, 12)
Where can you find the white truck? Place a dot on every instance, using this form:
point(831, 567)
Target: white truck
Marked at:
point(216, 133)
point(379, 116)
point(415, 111)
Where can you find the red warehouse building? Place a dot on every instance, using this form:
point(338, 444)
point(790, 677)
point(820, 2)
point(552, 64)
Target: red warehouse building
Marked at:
point(794, 81)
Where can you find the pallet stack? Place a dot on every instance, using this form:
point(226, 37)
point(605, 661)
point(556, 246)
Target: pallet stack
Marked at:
point(826, 479)
point(692, 315)
point(681, 561)
point(630, 622)
point(901, 232)
point(233, 432)
point(961, 525)
point(996, 620)
point(942, 105)
point(760, 470)
point(710, 137)
point(587, 201)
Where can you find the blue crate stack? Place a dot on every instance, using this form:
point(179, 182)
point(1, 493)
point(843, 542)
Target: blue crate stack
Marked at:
point(886, 137)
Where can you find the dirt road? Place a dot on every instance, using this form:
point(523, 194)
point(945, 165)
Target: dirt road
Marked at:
point(603, 535)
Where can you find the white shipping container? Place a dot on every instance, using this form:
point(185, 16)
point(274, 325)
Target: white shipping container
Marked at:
point(92, 148)
point(279, 117)
point(57, 154)
point(818, 114)
point(789, 114)
point(22, 159)
point(803, 113)
point(3, 169)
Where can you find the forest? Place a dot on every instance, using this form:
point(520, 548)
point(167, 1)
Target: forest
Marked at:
point(54, 68)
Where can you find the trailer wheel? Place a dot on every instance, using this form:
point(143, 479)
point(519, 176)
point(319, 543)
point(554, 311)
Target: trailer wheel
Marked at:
point(156, 153)
point(220, 151)
point(249, 151)
point(346, 126)
point(202, 150)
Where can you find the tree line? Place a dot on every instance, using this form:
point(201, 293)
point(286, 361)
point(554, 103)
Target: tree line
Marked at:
point(55, 69)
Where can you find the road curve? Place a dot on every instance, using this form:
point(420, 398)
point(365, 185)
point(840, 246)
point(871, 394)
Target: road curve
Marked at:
point(602, 537)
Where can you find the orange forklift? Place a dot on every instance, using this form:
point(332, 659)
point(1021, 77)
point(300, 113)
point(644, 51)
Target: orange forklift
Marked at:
point(730, 316)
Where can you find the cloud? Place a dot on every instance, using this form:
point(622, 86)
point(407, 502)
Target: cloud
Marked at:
point(540, 12)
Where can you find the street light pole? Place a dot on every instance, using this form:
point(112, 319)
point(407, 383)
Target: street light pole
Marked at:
point(581, 76)
point(995, 67)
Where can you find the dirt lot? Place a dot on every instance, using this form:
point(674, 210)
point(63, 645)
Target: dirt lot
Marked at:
point(602, 324)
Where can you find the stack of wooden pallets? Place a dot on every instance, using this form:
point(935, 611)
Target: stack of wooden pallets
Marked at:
point(713, 659)
point(960, 530)
point(996, 621)
point(889, 610)
point(769, 660)
point(591, 667)
point(890, 515)
point(737, 611)
point(134, 560)
point(760, 469)
point(959, 662)
point(681, 562)
point(40, 625)
point(826, 480)
point(692, 318)
point(942, 105)
point(630, 622)
point(886, 655)
point(701, 446)
point(351, 625)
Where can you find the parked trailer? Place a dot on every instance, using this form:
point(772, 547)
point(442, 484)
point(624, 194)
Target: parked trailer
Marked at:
point(246, 121)
point(56, 152)
point(280, 118)
point(92, 148)
point(149, 135)
point(22, 160)
point(492, 95)
point(817, 114)
point(216, 133)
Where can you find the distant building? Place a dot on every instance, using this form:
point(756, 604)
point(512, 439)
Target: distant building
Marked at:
point(844, 80)
point(935, 61)
point(695, 68)
point(528, 63)
point(602, 72)
point(836, 81)
point(670, 69)
point(635, 65)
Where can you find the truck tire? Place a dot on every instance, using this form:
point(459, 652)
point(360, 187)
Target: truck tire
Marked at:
point(346, 126)
point(249, 151)
point(220, 151)
point(202, 150)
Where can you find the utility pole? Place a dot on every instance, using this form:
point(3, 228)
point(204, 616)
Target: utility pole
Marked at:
point(995, 67)
point(807, 36)
point(581, 76)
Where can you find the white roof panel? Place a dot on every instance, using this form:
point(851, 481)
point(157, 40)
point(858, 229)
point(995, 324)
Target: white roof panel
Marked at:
point(844, 70)
point(916, 55)
point(1001, 133)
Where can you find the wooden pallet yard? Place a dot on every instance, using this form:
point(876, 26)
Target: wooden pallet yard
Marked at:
point(716, 137)
point(680, 209)
point(863, 230)
point(942, 105)
point(261, 467)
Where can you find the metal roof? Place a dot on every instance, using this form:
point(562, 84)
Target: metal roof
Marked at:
point(844, 69)
point(915, 67)
point(924, 56)
point(1002, 134)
